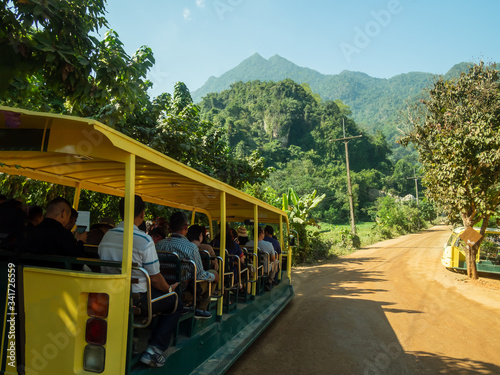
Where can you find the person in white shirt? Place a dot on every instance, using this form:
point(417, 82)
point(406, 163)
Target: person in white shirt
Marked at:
point(266, 247)
point(144, 254)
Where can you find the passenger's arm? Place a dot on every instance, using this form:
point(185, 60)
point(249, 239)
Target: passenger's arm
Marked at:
point(158, 282)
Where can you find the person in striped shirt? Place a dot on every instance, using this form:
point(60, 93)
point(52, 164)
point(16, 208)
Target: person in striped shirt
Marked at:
point(177, 242)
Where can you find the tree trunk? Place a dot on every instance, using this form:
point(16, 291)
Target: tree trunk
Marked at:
point(470, 257)
point(471, 253)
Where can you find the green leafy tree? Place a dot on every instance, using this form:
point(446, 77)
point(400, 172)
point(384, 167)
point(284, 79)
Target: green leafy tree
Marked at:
point(51, 61)
point(455, 131)
point(173, 126)
point(396, 217)
point(299, 215)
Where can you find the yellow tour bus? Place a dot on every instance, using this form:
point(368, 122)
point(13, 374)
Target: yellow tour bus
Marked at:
point(60, 317)
point(487, 258)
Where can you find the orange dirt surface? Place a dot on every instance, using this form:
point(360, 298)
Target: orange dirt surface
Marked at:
point(389, 308)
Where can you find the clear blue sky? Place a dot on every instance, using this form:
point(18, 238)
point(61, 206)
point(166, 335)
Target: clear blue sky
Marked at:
point(195, 39)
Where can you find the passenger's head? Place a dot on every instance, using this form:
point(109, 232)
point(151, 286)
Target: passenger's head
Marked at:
point(179, 222)
point(59, 209)
point(139, 208)
point(268, 230)
point(195, 233)
point(72, 219)
point(260, 233)
point(35, 215)
point(3, 198)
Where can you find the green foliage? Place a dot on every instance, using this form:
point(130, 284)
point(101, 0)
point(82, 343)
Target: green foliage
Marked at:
point(299, 216)
point(52, 62)
point(319, 247)
point(395, 217)
point(456, 134)
point(375, 102)
point(264, 193)
point(293, 130)
point(348, 240)
point(32, 192)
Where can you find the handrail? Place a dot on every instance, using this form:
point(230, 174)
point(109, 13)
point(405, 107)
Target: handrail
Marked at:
point(150, 301)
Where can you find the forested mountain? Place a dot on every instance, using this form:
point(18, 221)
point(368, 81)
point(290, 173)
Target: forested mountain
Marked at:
point(295, 130)
point(374, 102)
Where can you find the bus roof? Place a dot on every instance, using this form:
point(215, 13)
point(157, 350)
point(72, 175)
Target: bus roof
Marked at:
point(85, 153)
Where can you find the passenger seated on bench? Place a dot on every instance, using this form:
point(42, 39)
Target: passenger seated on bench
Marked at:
point(51, 236)
point(12, 224)
point(233, 248)
point(97, 231)
point(195, 235)
point(242, 235)
point(269, 237)
point(266, 247)
point(159, 231)
point(35, 217)
point(72, 220)
point(144, 254)
point(177, 242)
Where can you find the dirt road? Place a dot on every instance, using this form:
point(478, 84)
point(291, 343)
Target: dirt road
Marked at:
point(390, 308)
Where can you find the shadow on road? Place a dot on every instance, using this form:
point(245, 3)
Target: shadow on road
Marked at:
point(333, 327)
point(430, 363)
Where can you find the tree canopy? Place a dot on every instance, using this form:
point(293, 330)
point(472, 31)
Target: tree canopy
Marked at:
point(51, 60)
point(456, 132)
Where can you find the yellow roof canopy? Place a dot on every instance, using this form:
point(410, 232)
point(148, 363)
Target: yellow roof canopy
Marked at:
point(85, 153)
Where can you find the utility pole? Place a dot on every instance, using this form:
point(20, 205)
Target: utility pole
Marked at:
point(415, 177)
point(349, 189)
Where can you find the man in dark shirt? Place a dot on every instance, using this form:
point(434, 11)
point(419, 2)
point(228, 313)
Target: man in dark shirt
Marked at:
point(51, 237)
point(268, 236)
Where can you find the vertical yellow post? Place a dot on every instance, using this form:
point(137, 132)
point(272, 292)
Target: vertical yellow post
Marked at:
point(76, 197)
point(255, 245)
point(211, 228)
point(289, 255)
point(282, 247)
point(220, 303)
point(128, 236)
point(129, 215)
point(193, 217)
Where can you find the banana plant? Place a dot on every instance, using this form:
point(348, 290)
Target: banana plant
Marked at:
point(299, 208)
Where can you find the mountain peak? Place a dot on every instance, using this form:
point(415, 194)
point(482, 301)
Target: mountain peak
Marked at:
point(276, 57)
point(255, 57)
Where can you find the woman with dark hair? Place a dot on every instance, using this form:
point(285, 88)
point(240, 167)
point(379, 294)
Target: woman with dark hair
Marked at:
point(159, 230)
point(195, 235)
point(232, 247)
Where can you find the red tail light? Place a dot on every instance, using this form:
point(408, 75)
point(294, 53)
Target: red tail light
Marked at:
point(96, 332)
